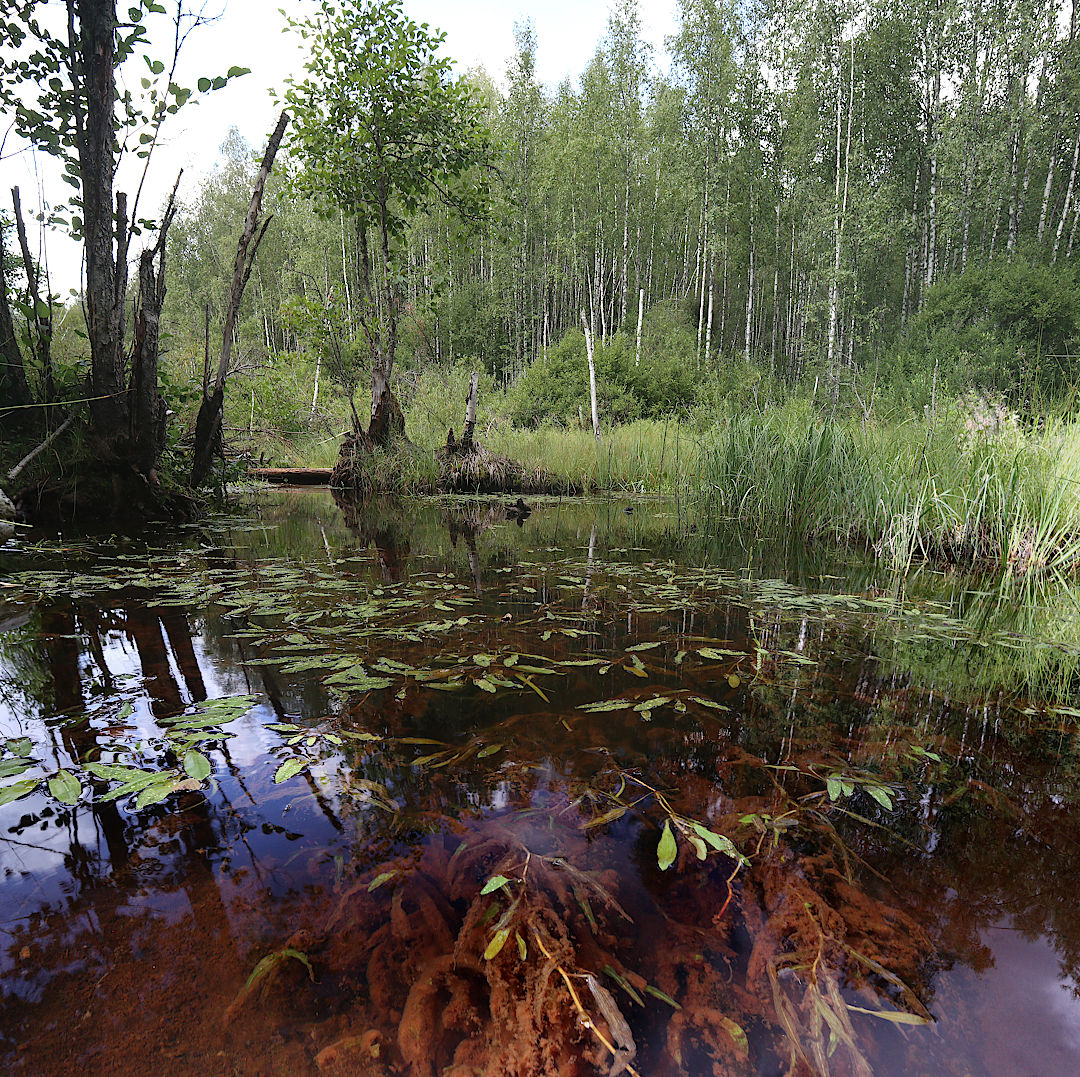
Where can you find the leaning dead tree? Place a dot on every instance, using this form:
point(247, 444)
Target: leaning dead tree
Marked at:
point(209, 422)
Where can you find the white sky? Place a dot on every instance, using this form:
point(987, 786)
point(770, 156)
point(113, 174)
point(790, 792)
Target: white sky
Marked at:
point(251, 33)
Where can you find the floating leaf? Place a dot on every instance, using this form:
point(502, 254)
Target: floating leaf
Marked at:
point(497, 942)
point(155, 792)
point(196, 765)
point(643, 646)
point(11, 768)
point(666, 850)
point(289, 768)
point(487, 750)
point(715, 654)
point(65, 787)
point(733, 680)
point(496, 882)
point(485, 684)
point(699, 846)
point(19, 789)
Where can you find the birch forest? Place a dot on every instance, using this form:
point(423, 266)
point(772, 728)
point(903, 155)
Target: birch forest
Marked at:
point(844, 198)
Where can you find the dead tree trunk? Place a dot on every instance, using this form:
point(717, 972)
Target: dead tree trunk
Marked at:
point(40, 319)
point(147, 404)
point(208, 423)
point(466, 443)
point(14, 389)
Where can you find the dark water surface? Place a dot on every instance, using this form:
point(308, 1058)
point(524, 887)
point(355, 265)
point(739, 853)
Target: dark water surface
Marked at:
point(426, 790)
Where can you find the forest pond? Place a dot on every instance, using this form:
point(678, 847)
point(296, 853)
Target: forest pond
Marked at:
point(436, 788)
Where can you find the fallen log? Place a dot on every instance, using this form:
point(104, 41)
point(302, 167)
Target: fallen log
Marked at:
point(293, 476)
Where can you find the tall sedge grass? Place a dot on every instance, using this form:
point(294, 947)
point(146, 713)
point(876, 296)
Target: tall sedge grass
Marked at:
point(941, 487)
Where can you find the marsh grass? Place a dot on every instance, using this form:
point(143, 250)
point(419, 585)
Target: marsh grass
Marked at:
point(941, 487)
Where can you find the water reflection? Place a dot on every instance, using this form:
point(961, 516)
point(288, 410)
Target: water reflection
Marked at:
point(458, 697)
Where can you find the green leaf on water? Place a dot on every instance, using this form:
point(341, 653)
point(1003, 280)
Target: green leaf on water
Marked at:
point(897, 1017)
point(19, 789)
point(288, 769)
point(155, 792)
point(496, 882)
point(196, 765)
point(485, 684)
point(11, 768)
point(835, 788)
point(666, 850)
point(65, 787)
point(497, 942)
point(733, 680)
point(487, 750)
point(643, 646)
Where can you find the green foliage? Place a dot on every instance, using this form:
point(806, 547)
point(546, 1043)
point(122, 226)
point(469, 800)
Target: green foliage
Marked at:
point(663, 383)
point(1004, 326)
point(379, 123)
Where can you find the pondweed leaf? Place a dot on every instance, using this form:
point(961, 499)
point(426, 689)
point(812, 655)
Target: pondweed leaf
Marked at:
point(523, 950)
point(666, 850)
point(196, 765)
point(496, 882)
point(65, 787)
point(498, 941)
point(657, 993)
point(19, 789)
point(643, 646)
point(881, 795)
point(155, 792)
point(11, 768)
point(288, 769)
point(897, 1017)
point(607, 817)
point(382, 877)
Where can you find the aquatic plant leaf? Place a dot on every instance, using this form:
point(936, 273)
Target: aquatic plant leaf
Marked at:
point(666, 850)
point(699, 846)
point(720, 843)
point(19, 789)
point(715, 654)
point(624, 984)
point(607, 705)
point(498, 941)
point(382, 877)
point(607, 817)
point(496, 882)
point(657, 993)
point(710, 703)
point(835, 788)
point(484, 660)
point(637, 667)
point(10, 768)
point(733, 680)
point(484, 684)
point(271, 961)
point(644, 646)
point(65, 787)
point(21, 747)
point(897, 1017)
point(735, 1031)
point(881, 795)
point(155, 792)
point(288, 769)
point(487, 750)
point(523, 950)
point(196, 765)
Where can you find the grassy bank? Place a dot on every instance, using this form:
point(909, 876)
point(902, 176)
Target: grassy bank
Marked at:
point(965, 485)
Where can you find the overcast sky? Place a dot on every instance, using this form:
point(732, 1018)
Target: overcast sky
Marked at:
point(252, 33)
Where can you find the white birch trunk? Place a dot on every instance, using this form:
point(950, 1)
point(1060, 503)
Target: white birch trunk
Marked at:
point(592, 376)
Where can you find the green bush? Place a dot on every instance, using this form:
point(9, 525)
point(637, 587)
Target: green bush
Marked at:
point(1009, 327)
